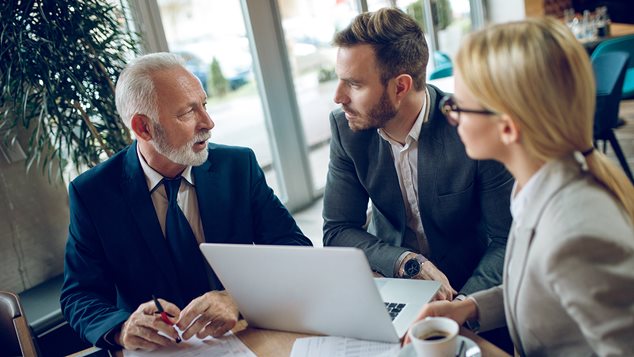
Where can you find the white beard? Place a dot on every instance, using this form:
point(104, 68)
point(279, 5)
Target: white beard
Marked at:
point(183, 155)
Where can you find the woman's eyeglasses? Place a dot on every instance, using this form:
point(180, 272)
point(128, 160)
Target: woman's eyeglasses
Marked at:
point(452, 111)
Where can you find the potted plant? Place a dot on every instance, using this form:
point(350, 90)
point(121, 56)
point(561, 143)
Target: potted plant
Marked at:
point(58, 64)
point(59, 60)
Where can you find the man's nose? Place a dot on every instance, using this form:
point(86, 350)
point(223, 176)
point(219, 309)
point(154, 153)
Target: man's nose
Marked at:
point(205, 120)
point(340, 95)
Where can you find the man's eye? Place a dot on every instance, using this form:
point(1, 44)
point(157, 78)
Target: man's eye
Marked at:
point(186, 113)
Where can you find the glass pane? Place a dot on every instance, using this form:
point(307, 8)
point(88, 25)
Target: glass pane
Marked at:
point(309, 26)
point(452, 20)
point(414, 8)
point(212, 38)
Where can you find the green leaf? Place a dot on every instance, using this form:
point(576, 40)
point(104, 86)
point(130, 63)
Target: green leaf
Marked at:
point(54, 54)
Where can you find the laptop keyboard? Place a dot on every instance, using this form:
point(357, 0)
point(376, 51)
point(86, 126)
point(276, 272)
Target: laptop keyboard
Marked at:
point(394, 308)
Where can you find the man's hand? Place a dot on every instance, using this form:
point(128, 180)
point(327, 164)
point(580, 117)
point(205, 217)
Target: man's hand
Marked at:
point(430, 272)
point(459, 311)
point(213, 314)
point(141, 330)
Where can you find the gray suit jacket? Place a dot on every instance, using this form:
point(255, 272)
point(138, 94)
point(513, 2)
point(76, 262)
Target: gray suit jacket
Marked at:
point(569, 272)
point(463, 202)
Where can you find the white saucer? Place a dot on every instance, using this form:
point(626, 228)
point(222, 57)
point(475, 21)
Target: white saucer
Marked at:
point(472, 347)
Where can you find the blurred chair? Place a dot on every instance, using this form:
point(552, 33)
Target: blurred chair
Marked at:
point(444, 66)
point(441, 72)
point(609, 72)
point(441, 58)
point(15, 334)
point(620, 44)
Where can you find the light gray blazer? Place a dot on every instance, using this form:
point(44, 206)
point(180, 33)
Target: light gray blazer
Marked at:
point(568, 285)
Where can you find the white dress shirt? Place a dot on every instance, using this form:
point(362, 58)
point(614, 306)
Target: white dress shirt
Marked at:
point(521, 198)
point(406, 165)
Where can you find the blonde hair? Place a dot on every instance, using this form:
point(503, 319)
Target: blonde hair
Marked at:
point(536, 72)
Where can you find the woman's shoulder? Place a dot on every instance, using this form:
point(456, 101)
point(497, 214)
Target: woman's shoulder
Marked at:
point(583, 210)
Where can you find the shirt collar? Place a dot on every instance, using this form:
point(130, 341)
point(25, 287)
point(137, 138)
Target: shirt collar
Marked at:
point(414, 132)
point(519, 200)
point(153, 178)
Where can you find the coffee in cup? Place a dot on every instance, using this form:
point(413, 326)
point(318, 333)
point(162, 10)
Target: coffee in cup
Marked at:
point(435, 337)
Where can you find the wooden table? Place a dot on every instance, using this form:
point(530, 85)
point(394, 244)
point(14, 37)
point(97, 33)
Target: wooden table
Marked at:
point(617, 29)
point(269, 343)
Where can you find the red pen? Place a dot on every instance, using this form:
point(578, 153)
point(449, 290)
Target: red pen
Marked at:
point(164, 316)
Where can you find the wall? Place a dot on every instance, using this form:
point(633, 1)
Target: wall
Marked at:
point(33, 226)
point(538, 7)
point(505, 10)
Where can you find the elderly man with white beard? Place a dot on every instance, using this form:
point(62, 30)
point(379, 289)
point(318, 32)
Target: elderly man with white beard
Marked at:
point(137, 219)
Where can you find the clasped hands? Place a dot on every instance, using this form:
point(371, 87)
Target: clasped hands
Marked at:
point(212, 314)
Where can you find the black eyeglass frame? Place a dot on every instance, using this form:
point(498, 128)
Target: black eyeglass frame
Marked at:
point(448, 105)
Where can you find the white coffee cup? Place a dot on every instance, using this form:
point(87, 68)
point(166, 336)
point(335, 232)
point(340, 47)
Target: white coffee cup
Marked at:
point(435, 337)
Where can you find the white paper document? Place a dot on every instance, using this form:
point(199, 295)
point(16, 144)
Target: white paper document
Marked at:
point(342, 347)
point(228, 345)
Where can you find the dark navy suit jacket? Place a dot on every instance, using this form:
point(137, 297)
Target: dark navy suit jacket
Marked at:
point(464, 203)
point(116, 254)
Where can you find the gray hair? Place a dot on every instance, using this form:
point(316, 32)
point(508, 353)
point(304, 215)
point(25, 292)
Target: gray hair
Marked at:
point(135, 92)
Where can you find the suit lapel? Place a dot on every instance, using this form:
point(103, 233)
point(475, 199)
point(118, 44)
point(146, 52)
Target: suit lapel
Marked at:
point(429, 146)
point(514, 265)
point(380, 173)
point(142, 209)
point(557, 175)
point(210, 192)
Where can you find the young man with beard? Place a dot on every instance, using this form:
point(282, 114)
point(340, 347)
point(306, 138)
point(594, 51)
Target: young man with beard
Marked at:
point(435, 213)
point(137, 219)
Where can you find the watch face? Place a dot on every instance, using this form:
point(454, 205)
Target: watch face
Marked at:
point(412, 268)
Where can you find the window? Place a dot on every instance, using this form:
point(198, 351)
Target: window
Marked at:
point(451, 20)
point(211, 37)
point(269, 70)
point(309, 26)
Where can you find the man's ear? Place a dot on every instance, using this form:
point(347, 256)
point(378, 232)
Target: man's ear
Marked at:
point(403, 83)
point(140, 125)
point(509, 130)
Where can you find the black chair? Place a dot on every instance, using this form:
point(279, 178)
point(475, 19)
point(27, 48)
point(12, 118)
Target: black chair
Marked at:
point(15, 334)
point(609, 72)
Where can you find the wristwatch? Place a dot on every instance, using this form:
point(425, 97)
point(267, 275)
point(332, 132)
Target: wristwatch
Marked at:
point(412, 266)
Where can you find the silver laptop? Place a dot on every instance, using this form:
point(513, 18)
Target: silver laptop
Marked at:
point(324, 291)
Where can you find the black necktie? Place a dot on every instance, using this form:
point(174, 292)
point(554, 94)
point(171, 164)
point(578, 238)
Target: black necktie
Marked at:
point(188, 260)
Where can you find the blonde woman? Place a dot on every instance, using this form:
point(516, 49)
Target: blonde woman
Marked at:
point(525, 96)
